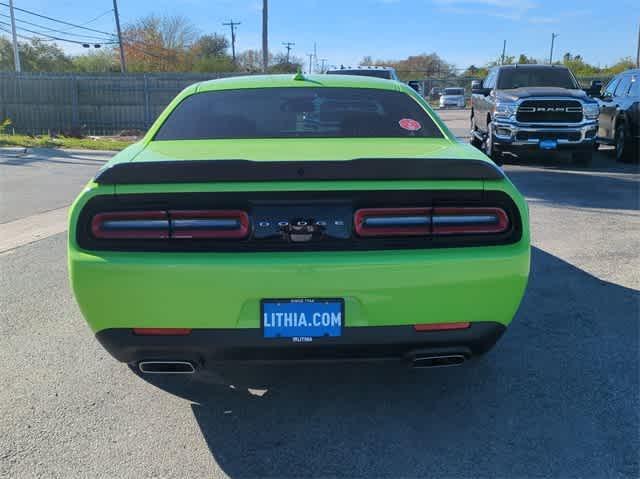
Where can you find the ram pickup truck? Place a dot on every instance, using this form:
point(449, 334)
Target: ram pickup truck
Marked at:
point(533, 107)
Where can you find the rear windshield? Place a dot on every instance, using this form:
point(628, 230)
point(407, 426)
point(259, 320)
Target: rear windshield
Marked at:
point(386, 74)
point(298, 113)
point(526, 77)
point(453, 91)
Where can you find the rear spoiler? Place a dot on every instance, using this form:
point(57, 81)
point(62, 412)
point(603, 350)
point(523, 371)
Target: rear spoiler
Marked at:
point(204, 171)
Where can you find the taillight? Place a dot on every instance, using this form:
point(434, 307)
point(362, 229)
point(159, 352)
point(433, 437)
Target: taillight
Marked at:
point(393, 221)
point(174, 224)
point(131, 225)
point(430, 221)
point(210, 224)
point(469, 220)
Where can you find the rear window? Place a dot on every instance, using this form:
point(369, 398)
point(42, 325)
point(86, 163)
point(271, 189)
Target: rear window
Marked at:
point(298, 113)
point(386, 74)
point(531, 77)
point(453, 91)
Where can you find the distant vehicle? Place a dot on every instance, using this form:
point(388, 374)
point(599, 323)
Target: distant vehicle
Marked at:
point(533, 107)
point(388, 73)
point(452, 97)
point(435, 93)
point(416, 85)
point(619, 121)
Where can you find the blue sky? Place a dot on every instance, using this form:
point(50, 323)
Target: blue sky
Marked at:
point(461, 31)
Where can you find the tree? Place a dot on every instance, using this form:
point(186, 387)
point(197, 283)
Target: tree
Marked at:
point(418, 66)
point(250, 61)
point(103, 61)
point(35, 56)
point(211, 46)
point(279, 63)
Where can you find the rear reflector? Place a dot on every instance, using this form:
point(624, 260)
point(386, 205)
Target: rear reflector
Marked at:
point(211, 224)
point(393, 221)
point(440, 326)
point(161, 331)
point(131, 225)
point(469, 220)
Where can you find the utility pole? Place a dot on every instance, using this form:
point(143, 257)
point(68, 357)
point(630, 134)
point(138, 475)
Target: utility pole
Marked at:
point(553, 38)
point(16, 53)
point(638, 51)
point(310, 55)
point(504, 49)
point(123, 65)
point(265, 41)
point(288, 46)
point(233, 26)
point(323, 61)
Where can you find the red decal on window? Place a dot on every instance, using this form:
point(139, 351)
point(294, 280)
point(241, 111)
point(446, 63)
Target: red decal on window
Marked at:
point(409, 124)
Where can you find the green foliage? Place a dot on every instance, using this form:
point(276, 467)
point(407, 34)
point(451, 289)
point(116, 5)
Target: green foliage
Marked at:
point(63, 142)
point(35, 56)
point(103, 61)
point(5, 124)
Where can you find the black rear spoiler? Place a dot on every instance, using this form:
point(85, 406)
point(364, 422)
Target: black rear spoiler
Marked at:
point(205, 171)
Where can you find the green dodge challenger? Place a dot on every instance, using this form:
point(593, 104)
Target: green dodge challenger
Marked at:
point(285, 218)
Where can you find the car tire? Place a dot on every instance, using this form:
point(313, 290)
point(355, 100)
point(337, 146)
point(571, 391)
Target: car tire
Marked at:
point(626, 148)
point(582, 158)
point(475, 141)
point(489, 147)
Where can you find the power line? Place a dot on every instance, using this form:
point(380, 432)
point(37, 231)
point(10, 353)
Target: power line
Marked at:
point(93, 19)
point(56, 20)
point(52, 37)
point(233, 26)
point(57, 31)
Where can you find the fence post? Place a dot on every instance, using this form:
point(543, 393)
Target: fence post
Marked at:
point(147, 106)
point(75, 115)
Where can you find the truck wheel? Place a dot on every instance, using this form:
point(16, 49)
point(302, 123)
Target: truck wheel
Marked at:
point(474, 139)
point(582, 158)
point(489, 147)
point(626, 149)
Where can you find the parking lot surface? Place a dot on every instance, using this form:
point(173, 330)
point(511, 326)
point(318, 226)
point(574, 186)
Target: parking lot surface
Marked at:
point(557, 397)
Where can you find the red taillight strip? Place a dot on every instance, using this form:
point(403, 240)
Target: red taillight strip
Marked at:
point(209, 224)
point(161, 331)
point(131, 225)
point(469, 220)
point(393, 221)
point(440, 326)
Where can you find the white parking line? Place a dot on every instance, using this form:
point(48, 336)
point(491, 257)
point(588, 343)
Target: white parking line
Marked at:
point(32, 228)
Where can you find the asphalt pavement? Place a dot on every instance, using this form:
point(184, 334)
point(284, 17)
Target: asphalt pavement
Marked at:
point(557, 397)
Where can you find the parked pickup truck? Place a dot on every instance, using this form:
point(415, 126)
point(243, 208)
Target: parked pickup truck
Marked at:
point(533, 107)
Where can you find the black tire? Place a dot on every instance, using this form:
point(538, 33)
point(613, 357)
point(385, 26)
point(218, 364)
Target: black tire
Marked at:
point(475, 141)
point(489, 148)
point(582, 158)
point(626, 147)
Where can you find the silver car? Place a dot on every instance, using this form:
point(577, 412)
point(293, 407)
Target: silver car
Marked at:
point(452, 97)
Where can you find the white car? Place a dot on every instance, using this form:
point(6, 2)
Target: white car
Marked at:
point(388, 73)
point(452, 97)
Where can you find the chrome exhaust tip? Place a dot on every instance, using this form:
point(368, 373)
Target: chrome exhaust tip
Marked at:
point(437, 361)
point(166, 367)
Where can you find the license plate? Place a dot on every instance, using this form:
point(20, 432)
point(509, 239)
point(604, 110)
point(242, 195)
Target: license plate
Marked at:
point(548, 144)
point(302, 319)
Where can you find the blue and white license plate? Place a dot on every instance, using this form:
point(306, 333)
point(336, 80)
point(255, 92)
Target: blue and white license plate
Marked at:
point(302, 319)
point(548, 144)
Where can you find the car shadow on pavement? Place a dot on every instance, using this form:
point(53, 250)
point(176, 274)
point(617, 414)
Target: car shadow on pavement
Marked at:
point(558, 396)
point(608, 189)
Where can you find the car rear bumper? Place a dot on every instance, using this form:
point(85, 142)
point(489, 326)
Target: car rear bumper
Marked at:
point(204, 347)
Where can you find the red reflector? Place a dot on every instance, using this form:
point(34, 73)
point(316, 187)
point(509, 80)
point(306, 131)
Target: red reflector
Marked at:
point(393, 221)
point(463, 220)
point(212, 224)
point(131, 225)
point(440, 326)
point(161, 331)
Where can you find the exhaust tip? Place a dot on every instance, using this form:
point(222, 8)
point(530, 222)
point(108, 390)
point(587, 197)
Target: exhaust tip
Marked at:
point(437, 361)
point(166, 367)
